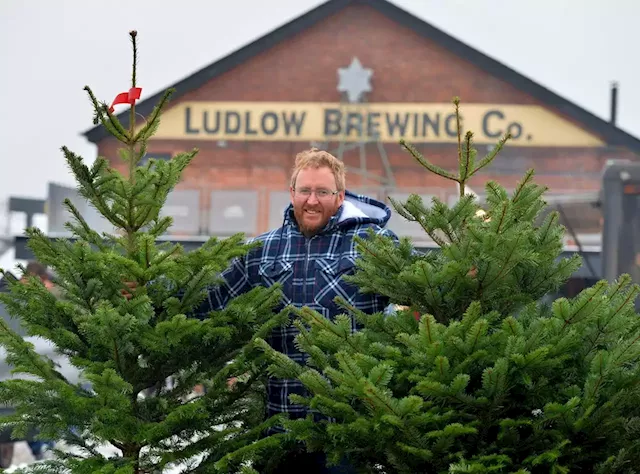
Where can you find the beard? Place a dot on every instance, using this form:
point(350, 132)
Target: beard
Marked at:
point(311, 226)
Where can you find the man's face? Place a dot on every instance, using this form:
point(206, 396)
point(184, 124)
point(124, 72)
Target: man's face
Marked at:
point(48, 284)
point(314, 199)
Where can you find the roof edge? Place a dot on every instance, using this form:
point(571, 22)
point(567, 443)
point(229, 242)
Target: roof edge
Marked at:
point(609, 132)
point(228, 62)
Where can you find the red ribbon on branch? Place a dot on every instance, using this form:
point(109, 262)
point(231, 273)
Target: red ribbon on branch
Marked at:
point(127, 97)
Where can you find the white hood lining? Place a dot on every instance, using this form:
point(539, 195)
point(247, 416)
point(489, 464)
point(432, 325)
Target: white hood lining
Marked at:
point(356, 208)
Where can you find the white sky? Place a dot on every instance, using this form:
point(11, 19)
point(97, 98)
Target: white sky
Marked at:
point(50, 49)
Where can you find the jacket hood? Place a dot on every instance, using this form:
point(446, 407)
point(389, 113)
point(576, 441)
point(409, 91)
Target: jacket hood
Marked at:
point(355, 210)
point(360, 209)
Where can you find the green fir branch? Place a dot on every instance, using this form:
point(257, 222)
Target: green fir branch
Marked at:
point(492, 154)
point(430, 166)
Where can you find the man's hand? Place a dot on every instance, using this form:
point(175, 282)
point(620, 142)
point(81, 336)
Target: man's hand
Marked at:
point(132, 285)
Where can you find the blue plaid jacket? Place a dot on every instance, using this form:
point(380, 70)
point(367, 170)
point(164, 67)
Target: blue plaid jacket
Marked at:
point(310, 272)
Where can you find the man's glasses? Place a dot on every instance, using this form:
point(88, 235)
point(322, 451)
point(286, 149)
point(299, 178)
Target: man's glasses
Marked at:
point(320, 193)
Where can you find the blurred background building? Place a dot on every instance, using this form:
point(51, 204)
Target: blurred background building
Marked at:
point(354, 77)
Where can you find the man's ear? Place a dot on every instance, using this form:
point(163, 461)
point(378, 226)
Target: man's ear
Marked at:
point(291, 193)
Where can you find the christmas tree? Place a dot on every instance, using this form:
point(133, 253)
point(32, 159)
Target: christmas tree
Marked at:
point(120, 320)
point(473, 373)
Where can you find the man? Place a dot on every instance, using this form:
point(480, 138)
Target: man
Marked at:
point(39, 270)
point(308, 255)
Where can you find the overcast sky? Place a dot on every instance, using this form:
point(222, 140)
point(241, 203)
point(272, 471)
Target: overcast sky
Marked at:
point(49, 49)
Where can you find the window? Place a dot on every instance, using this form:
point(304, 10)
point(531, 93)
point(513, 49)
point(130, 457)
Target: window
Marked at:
point(233, 211)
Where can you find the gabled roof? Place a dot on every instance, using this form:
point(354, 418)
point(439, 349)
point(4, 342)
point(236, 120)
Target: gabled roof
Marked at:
point(611, 134)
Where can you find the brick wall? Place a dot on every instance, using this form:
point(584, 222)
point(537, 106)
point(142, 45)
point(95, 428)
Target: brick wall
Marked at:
point(407, 68)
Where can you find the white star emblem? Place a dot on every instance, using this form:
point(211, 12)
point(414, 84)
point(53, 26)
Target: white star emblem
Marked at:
point(354, 80)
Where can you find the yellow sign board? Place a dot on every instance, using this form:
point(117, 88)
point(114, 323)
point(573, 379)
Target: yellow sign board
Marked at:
point(530, 126)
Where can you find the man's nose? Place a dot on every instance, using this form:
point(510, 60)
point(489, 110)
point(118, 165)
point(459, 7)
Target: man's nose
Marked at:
point(313, 199)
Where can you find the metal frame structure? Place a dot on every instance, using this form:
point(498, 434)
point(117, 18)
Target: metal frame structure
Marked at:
point(591, 254)
point(353, 85)
point(621, 214)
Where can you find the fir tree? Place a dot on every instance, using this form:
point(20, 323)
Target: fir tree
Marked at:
point(139, 357)
point(487, 378)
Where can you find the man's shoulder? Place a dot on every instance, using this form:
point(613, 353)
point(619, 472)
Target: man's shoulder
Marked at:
point(363, 230)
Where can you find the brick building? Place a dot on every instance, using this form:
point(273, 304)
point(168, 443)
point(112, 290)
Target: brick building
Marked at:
point(250, 112)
